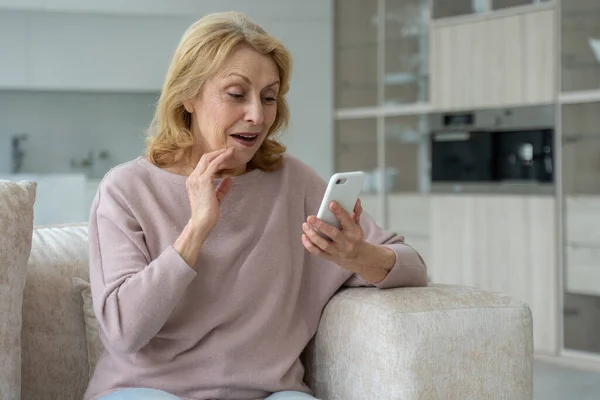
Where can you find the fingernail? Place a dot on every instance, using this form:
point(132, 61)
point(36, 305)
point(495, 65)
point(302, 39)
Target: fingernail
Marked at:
point(312, 220)
point(334, 206)
point(305, 226)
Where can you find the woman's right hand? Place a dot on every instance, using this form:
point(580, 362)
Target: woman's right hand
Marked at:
point(205, 199)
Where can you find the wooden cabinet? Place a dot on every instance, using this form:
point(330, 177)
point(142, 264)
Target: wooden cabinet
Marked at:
point(494, 61)
point(381, 52)
point(580, 47)
point(409, 215)
point(581, 149)
point(355, 53)
point(581, 187)
point(582, 245)
point(456, 8)
point(500, 243)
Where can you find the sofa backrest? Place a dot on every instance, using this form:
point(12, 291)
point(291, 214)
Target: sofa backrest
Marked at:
point(54, 353)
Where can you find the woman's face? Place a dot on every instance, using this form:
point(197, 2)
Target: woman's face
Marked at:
point(237, 106)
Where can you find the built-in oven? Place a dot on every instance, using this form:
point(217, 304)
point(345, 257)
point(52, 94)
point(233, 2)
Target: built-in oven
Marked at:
point(496, 145)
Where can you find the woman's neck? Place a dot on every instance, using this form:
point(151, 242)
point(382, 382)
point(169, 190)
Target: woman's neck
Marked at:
point(186, 163)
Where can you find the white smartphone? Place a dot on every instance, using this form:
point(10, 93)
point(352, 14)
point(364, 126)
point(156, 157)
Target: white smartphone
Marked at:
point(344, 188)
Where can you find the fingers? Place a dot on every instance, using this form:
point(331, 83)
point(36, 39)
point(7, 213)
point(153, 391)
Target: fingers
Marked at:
point(214, 165)
point(207, 158)
point(325, 245)
point(223, 188)
point(311, 247)
point(357, 212)
point(330, 231)
point(342, 215)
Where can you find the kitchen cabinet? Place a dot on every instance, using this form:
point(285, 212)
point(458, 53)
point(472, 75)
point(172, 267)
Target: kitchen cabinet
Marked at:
point(406, 75)
point(61, 51)
point(580, 29)
point(503, 4)
point(581, 148)
point(355, 53)
point(494, 61)
point(500, 243)
point(14, 31)
point(381, 67)
point(407, 154)
point(581, 191)
point(582, 244)
point(582, 272)
point(266, 10)
point(356, 150)
point(409, 216)
point(455, 8)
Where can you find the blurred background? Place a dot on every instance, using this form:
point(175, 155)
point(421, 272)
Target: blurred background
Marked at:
point(477, 122)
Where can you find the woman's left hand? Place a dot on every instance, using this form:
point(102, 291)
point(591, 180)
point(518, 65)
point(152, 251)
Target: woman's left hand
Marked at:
point(345, 243)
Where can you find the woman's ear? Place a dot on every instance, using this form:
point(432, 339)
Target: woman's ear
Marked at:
point(189, 106)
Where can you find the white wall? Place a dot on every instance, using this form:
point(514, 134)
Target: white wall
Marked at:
point(62, 86)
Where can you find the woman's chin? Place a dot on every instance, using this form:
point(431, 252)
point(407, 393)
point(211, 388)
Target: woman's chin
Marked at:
point(236, 166)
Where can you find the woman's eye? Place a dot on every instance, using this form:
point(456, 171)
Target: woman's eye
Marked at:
point(270, 99)
point(236, 96)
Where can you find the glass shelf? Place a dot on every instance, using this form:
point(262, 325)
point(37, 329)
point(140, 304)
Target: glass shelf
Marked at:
point(454, 8)
point(581, 190)
point(406, 149)
point(581, 149)
point(580, 56)
point(407, 59)
point(354, 62)
point(356, 150)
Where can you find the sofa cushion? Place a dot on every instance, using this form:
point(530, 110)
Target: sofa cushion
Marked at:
point(16, 220)
point(53, 336)
point(92, 327)
point(438, 342)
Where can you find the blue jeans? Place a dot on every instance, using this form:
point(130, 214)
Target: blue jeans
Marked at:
point(153, 394)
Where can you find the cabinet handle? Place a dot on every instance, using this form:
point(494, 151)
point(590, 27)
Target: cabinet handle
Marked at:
point(570, 312)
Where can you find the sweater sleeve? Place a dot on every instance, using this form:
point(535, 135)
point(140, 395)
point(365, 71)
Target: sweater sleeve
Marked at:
point(133, 296)
point(408, 270)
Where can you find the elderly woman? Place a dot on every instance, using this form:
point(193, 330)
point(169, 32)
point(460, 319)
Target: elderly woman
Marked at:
point(208, 277)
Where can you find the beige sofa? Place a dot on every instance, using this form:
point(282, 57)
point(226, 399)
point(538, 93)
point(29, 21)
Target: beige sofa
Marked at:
point(439, 342)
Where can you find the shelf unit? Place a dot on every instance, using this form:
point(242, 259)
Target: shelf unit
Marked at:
point(386, 83)
point(391, 136)
point(579, 194)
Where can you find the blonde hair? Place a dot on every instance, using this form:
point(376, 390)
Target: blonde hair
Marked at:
point(203, 50)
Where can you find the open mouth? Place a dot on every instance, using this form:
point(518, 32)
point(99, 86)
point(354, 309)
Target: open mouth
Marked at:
point(246, 139)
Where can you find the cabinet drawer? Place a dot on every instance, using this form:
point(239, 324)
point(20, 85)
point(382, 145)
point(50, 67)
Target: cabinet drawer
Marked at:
point(582, 219)
point(582, 267)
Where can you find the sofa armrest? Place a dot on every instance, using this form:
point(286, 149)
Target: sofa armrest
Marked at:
point(437, 342)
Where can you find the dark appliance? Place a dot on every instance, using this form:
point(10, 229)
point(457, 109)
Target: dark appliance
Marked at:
point(462, 156)
point(524, 155)
point(496, 145)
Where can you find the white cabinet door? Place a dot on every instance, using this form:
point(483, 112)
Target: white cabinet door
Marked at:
point(494, 61)
point(110, 53)
point(14, 45)
point(101, 52)
point(582, 245)
point(500, 243)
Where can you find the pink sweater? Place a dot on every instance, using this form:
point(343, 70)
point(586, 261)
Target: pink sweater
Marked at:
point(234, 329)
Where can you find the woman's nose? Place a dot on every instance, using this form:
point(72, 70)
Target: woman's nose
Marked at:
point(254, 112)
